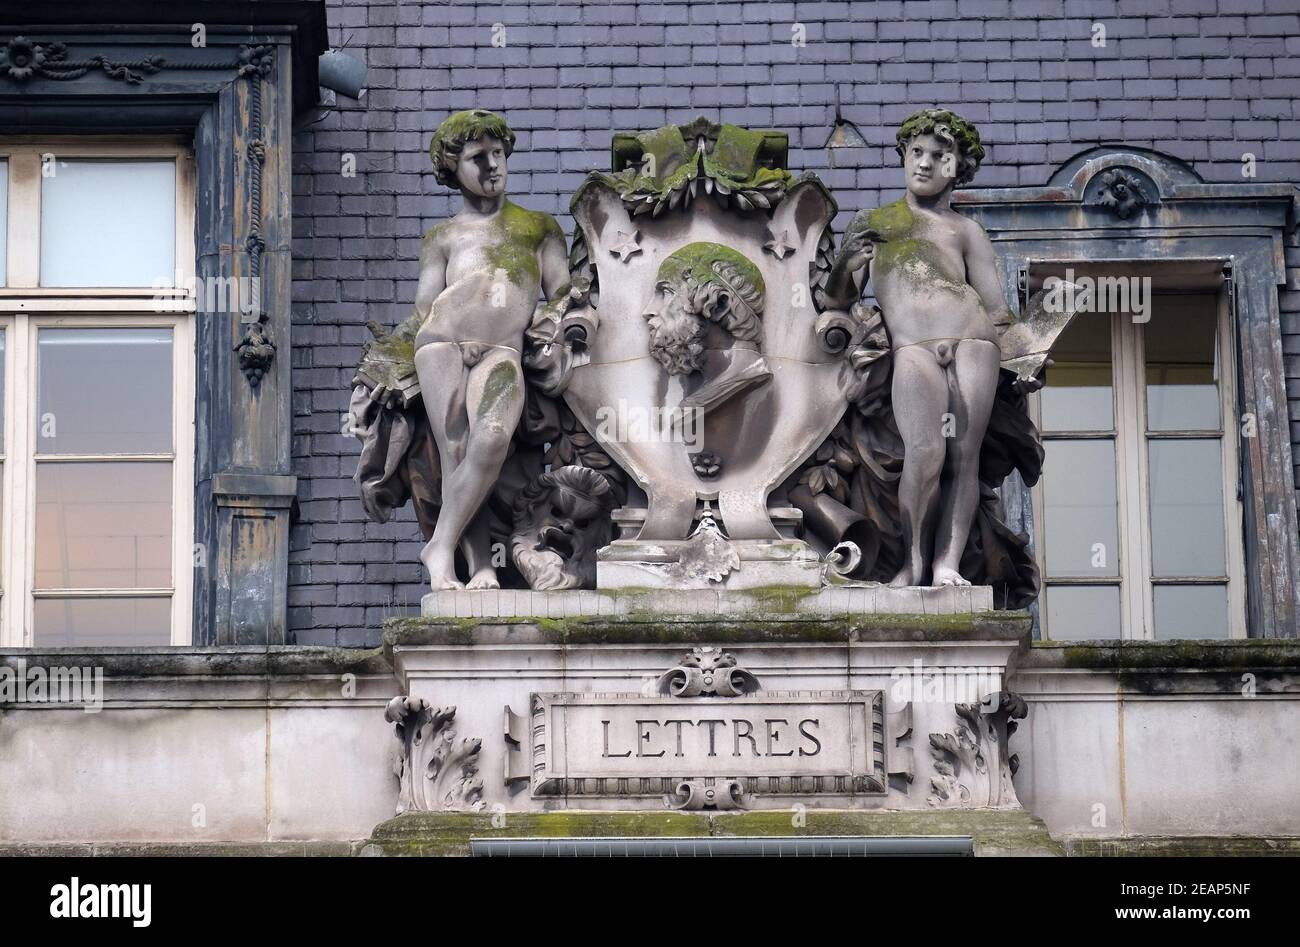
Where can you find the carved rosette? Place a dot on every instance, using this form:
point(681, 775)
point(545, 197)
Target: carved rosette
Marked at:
point(707, 672)
point(972, 763)
point(435, 771)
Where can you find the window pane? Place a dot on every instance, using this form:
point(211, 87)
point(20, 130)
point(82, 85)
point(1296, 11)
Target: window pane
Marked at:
point(1080, 522)
point(1077, 612)
point(103, 525)
point(1078, 395)
point(1186, 508)
point(101, 622)
point(109, 223)
point(1191, 611)
point(104, 391)
point(4, 222)
point(1182, 364)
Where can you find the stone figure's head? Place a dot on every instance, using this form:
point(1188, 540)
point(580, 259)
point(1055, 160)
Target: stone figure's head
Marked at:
point(561, 518)
point(939, 149)
point(702, 284)
point(469, 152)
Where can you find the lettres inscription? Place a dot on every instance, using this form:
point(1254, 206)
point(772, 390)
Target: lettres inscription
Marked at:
point(630, 744)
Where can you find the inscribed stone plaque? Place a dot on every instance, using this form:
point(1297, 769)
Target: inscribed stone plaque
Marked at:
point(777, 743)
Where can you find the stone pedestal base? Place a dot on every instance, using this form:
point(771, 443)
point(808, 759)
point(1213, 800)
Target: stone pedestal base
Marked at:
point(448, 833)
point(647, 712)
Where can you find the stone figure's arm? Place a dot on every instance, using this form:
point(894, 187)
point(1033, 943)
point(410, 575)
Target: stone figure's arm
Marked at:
point(432, 281)
point(852, 268)
point(554, 259)
point(982, 274)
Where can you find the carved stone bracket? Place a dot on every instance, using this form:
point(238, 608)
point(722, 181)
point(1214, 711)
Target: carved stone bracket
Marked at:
point(707, 672)
point(256, 352)
point(902, 759)
point(694, 795)
point(972, 766)
point(435, 771)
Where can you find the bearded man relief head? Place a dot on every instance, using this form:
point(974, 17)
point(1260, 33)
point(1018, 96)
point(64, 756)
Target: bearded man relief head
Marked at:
point(703, 290)
point(561, 517)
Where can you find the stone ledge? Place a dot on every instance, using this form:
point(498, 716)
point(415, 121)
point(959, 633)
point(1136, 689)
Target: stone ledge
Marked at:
point(1182, 846)
point(1248, 654)
point(993, 831)
point(178, 849)
point(836, 601)
point(233, 661)
point(866, 629)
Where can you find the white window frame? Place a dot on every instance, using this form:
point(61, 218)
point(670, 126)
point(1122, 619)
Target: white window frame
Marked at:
point(1135, 581)
point(26, 307)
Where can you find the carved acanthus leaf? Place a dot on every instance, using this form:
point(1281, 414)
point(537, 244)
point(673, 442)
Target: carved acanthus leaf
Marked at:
point(435, 771)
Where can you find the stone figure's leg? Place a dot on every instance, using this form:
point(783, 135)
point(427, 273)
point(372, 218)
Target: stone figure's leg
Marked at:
point(920, 398)
point(476, 544)
point(494, 399)
point(441, 370)
point(974, 376)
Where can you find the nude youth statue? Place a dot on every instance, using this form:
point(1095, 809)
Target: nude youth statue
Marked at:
point(934, 276)
point(480, 276)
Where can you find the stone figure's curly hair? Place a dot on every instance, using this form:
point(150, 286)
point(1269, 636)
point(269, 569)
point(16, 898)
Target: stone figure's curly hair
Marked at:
point(950, 128)
point(459, 128)
point(725, 286)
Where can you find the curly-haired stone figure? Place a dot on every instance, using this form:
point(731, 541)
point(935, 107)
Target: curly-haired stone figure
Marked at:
point(934, 276)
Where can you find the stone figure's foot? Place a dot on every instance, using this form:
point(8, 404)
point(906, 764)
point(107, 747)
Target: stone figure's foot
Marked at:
point(485, 578)
point(904, 578)
point(946, 575)
point(444, 583)
point(442, 569)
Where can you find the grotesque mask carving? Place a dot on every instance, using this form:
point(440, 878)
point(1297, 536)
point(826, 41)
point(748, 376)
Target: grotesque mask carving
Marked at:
point(560, 519)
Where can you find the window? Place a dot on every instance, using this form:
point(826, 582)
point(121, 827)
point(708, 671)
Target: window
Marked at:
point(97, 412)
point(1137, 519)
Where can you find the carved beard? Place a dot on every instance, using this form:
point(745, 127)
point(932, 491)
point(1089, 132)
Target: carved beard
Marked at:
point(544, 568)
point(677, 343)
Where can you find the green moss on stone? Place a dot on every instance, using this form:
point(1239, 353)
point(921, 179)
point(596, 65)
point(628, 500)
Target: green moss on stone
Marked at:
point(449, 833)
point(916, 259)
point(521, 233)
point(503, 380)
point(1243, 654)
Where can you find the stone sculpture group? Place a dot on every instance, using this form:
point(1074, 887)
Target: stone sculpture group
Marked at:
point(695, 393)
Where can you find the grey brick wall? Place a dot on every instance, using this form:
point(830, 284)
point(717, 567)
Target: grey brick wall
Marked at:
point(1204, 80)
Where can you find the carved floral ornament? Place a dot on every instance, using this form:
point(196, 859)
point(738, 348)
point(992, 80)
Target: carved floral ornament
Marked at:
point(25, 59)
